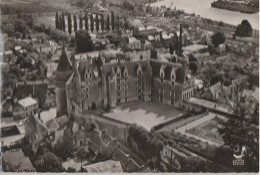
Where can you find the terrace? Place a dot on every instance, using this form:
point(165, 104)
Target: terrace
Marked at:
point(145, 114)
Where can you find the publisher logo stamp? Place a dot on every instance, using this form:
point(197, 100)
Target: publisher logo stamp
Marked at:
point(239, 157)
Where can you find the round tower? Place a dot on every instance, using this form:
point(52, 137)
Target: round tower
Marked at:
point(64, 70)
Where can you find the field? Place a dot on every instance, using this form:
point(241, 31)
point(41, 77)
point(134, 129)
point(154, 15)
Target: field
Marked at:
point(145, 114)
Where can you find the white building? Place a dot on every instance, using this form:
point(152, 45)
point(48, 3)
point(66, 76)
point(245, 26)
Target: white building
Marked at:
point(25, 107)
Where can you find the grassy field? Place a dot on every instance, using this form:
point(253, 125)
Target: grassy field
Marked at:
point(207, 130)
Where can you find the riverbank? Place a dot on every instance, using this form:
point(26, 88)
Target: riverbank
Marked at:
point(204, 9)
point(233, 6)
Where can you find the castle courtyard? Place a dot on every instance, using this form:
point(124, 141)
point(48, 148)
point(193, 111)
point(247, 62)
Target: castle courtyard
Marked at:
point(145, 114)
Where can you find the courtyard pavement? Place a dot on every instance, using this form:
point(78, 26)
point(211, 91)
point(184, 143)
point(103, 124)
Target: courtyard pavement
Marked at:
point(145, 114)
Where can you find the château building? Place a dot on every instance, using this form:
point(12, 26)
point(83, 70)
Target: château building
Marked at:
point(95, 84)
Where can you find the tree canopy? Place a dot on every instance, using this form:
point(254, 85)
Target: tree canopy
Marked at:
point(217, 39)
point(75, 23)
point(97, 23)
point(83, 41)
point(69, 24)
point(91, 23)
point(244, 29)
point(80, 22)
point(108, 23)
point(64, 148)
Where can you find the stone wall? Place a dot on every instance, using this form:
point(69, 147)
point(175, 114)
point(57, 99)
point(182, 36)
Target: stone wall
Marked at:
point(113, 127)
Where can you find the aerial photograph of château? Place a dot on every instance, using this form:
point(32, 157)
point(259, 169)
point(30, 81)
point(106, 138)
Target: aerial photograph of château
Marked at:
point(129, 86)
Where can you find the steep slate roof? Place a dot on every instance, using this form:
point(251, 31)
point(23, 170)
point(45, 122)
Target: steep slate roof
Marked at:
point(180, 75)
point(130, 66)
point(156, 66)
point(64, 62)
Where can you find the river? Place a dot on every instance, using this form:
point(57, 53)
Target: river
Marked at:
point(204, 9)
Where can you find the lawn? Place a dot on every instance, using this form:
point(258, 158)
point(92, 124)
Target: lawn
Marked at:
point(145, 114)
point(207, 130)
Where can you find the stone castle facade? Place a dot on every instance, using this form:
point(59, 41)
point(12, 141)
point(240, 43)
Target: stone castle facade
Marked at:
point(95, 84)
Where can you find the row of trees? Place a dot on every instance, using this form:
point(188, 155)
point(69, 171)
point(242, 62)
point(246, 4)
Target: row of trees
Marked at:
point(100, 22)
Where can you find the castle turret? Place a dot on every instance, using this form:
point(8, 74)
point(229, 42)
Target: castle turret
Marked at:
point(64, 70)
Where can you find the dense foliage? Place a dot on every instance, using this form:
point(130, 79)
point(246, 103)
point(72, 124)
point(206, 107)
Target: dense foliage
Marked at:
point(83, 41)
point(64, 148)
point(218, 38)
point(145, 144)
point(244, 29)
point(242, 133)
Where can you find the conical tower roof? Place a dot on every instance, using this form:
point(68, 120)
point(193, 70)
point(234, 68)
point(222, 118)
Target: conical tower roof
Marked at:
point(64, 62)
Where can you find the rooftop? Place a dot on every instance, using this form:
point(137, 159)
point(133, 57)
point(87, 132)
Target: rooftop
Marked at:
point(194, 48)
point(48, 114)
point(18, 158)
point(132, 40)
point(109, 166)
point(210, 105)
point(27, 101)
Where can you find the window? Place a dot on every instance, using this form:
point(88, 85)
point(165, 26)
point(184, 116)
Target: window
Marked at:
point(161, 75)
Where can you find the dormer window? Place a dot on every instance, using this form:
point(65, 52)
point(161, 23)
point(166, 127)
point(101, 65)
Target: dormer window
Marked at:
point(161, 75)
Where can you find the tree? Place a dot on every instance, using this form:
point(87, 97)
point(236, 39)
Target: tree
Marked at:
point(113, 21)
point(80, 22)
point(108, 23)
point(69, 24)
point(171, 49)
point(193, 67)
point(75, 23)
point(63, 22)
point(83, 41)
point(91, 23)
point(97, 23)
point(240, 134)
point(47, 162)
point(82, 154)
point(217, 39)
point(64, 148)
point(102, 23)
point(86, 21)
point(57, 24)
point(244, 29)
point(118, 22)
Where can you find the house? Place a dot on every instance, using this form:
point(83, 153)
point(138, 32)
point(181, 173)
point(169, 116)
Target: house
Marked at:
point(45, 127)
point(51, 67)
point(109, 166)
point(131, 43)
point(167, 39)
point(25, 107)
point(17, 48)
